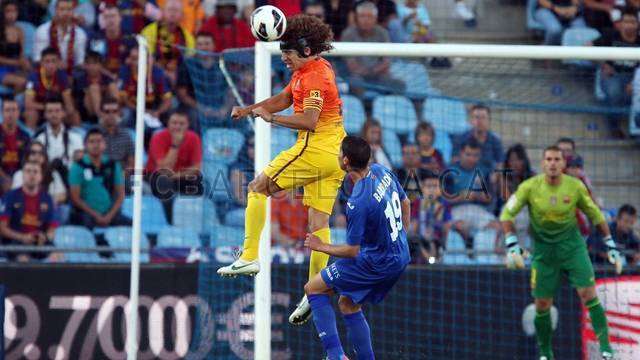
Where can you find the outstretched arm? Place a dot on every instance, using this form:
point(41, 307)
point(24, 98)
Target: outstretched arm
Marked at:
point(272, 105)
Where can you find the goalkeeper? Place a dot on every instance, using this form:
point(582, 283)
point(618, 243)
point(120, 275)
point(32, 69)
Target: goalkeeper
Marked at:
point(312, 161)
point(559, 248)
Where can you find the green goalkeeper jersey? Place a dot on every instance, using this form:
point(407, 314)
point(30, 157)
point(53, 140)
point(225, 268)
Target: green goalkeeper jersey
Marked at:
point(552, 208)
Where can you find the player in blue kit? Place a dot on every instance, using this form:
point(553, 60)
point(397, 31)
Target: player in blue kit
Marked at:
point(373, 259)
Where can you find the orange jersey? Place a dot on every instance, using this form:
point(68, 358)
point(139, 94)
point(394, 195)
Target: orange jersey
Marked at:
point(314, 86)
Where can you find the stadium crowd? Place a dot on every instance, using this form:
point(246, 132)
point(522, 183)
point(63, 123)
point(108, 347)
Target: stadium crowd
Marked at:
point(68, 85)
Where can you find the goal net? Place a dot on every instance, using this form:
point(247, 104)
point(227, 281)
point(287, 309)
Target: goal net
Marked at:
point(456, 301)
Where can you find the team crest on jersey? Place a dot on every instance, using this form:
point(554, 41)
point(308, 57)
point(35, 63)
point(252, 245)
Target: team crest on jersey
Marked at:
point(566, 199)
point(44, 207)
point(314, 93)
point(553, 200)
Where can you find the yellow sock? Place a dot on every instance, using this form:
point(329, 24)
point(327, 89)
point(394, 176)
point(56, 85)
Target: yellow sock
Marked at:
point(254, 218)
point(318, 259)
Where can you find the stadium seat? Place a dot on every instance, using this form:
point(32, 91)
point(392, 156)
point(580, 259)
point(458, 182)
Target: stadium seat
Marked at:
point(222, 145)
point(597, 88)
point(338, 236)
point(29, 32)
point(121, 237)
point(392, 145)
point(69, 237)
point(634, 114)
point(445, 114)
point(216, 175)
point(353, 114)
point(415, 77)
point(532, 23)
point(485, 241)
point(222, 235)
point(153, 217)
point(281, 139)
point(579, 37)
point(178, 237)
point(192, 211)
point(395, 113)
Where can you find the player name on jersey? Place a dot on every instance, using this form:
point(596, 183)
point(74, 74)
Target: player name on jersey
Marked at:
point(382, 187)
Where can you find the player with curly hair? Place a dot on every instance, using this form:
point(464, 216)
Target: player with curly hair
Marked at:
point(313, 161)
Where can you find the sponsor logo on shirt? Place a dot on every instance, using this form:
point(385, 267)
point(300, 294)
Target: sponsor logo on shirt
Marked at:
point(566, 199)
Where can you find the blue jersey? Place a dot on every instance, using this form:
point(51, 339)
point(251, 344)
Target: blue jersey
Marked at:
point(374, 220)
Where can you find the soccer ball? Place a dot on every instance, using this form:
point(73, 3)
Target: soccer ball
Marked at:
point(268, 23)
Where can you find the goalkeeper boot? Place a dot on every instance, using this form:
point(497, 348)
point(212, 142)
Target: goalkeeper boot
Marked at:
point(607, 355)
point(302, 313)
point(240, 267)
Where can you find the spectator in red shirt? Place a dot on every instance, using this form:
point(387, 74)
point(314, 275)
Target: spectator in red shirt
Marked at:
point(13, 143)
point(175, 160)
point(48, 81)
point(27, 216)
point(289, 220)
point(228, 32)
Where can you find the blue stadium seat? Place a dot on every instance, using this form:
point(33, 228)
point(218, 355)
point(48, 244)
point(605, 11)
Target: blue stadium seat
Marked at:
point(634, 114)
point(484, 240)
point(281, 139)
point(415, 77)
point(395, 112)
point(178, 237)
point(29, 33)
point(222, 145)
point(69, 237)
point(222, 235)
point(339, 236)
point(597, 88)
point(353, 114)
point(532, 23)
point(217, 176)
point(392, 145)
point(579, 37)
point(153, 217)
point(446, 115)
point(188, 212)
point(121, 237)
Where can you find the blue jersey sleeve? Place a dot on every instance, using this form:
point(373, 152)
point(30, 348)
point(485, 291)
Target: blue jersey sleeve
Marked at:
point(356, 222)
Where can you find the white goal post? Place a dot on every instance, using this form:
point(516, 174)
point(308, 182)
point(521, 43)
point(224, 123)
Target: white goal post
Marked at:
point(263, 53)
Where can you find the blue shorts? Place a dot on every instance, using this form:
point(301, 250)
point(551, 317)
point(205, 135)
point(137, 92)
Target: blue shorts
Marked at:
point(353, 279)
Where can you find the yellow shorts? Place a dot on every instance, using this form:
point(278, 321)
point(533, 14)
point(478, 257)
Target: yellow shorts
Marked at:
point(312, 163)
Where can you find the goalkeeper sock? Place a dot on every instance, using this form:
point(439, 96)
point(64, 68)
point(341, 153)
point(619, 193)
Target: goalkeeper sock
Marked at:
point(599, 323)
point(359, 335)
point(325, 320)
point(319, 260)
point(542, 323)
point(253, 224)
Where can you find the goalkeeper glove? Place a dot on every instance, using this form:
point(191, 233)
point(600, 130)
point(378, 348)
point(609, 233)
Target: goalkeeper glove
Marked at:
point(613, 253)
point(515, 254)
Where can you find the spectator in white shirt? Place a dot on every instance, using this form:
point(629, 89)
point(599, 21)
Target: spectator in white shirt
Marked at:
point(62, 34)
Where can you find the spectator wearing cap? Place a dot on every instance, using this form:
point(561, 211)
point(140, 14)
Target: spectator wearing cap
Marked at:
point(92, 85)
point(112, 43)
point(373, 70)
point(13, 143)
point(27, 215)
point(45, 82)
point(556, 16)
point(192, 14)
point(96, 186)
point(166, 36)
point(623, 236)
point(62, 34)
point(175, 160)
point(490, 144)
point(228, 32)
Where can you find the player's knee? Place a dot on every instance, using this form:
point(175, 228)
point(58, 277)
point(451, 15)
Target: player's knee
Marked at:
point(587, 294)
point(347, 306)
point(308, 288)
